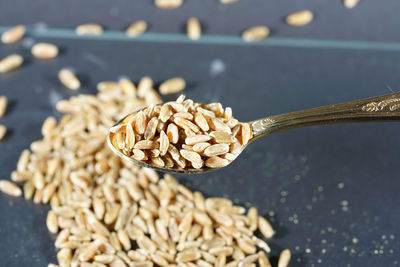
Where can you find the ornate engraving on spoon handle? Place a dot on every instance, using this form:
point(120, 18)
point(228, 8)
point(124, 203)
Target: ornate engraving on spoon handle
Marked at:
point(390, 104)
point(379, 108)
point(262, 124)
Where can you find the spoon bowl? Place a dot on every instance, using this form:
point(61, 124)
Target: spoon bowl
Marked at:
point(145, 164)
point(374, 109)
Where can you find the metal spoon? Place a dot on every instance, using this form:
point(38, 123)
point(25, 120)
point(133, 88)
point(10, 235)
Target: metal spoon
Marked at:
point(380, 108)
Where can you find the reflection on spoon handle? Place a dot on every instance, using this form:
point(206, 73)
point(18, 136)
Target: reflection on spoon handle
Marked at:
point(379, 108)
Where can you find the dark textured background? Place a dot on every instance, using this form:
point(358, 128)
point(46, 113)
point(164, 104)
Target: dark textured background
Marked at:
point(305, 176)
point(370, 20)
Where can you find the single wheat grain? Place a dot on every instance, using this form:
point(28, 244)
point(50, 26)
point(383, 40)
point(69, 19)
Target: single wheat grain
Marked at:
point(137, 28)
point(13, 35)
point(255, 33)
point(284, 258)
point(3, 105)
point(228, 1)
point(168, 4)
point(193, 29)
point(300, 18)
point(68, 79)
point(10, 63)
point(44, 50)
point(350, 3)
point(89, 29)
point(10, 188)
point(172, 86)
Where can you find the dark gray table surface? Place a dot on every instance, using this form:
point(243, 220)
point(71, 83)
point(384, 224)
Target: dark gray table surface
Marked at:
point(333, 189)
point(370, 20)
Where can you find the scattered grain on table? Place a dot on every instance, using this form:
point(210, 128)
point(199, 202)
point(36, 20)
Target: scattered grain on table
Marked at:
point(11, 62)
point(300, 18)
point(13, 35)
point(89, 29)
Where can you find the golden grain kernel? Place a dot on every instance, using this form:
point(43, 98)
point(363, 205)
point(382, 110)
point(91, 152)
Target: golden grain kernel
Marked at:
point(146, 144)
point(108, 85)
point(172, 86)
point(3, 131)
point(228, 1)
point(88, 251)
point(255, 33)
point(52, 222)
point(48, 126)
point(187, 256)
point(48, 192)
point(263, 260)
point(284, 258)
point(168, 4)
point(10, 63)
point(216, 150)
point(300, 18)
point(3, 105)
point(350, 3)
point(44, 50)
point(252, 214)
point(193, 28)
point(104, 258)
point(62, 237)
point(137, 28)
point(10, 188)
point(222, 137)
point(29, 189)
point(246, 246)
point(248, 260)
point(128, 87)
point(151, 128)
point(68, 79)
point(173, 133)
point(89, 29)
point(147, 244)
point(265, 227)
point(124, 239)
point(186, 124)
point(186, 222)
point(190, 155)
point(144, 87)
point(159, 260)
point(246, 133)
point(13, 35)
point(64, 257)
point(221, 250)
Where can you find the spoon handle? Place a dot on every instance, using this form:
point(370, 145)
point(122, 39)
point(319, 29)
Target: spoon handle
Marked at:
point(379, 108)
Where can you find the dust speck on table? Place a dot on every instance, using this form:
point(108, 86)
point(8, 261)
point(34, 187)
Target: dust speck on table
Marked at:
point(217, 67)
point(99, 62)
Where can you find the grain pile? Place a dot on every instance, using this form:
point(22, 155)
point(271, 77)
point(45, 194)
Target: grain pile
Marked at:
point(182, 135)
point(107, 212)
